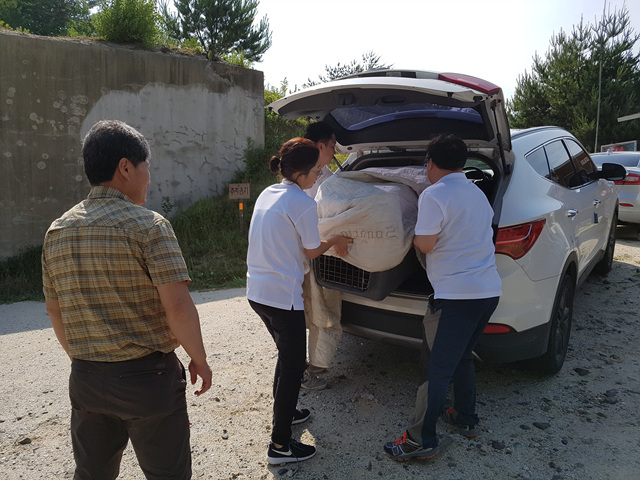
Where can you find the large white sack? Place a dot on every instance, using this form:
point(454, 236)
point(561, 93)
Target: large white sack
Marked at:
point(380, 217)
point(412, 176)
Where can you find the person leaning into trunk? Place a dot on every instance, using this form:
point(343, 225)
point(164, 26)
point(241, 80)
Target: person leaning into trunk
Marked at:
point(323, 136)
point(323, 338)
point(283, 232)
point(454, 230)
point(116, 292)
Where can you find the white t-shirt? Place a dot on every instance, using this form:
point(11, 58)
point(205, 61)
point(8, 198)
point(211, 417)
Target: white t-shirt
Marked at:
point(325, 172)
point(284, 223)
point(462, 264)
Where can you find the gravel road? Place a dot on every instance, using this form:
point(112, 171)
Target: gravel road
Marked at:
point(579, 424)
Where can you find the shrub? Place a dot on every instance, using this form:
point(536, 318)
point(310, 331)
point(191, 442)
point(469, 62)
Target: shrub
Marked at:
point(192, 46)
point(6, 26)
point(237, 57)
point(128, 21)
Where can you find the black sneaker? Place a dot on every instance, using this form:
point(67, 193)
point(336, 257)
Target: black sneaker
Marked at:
point(468, 431)
point(404, 449)
point(294, 452)
point(300, 416)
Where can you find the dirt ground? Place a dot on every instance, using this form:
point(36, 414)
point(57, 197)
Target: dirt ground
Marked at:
point(579, 424)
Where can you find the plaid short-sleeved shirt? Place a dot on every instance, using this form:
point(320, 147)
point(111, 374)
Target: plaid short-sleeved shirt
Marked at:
point(102, 261)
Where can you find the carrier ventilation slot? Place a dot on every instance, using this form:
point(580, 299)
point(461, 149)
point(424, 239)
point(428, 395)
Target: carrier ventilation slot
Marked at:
point(337, 271)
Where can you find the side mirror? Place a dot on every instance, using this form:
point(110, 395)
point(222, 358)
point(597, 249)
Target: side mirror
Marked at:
point(613, 171)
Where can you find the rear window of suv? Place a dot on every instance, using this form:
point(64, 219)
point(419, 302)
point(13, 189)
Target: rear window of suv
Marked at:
point(538, 160)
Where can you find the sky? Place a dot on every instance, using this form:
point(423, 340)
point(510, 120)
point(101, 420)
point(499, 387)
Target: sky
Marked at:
point(495, 40)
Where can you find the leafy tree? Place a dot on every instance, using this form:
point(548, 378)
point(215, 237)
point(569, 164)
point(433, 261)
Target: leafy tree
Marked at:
point(7, 7)
point(564, 87)
point(42, 17)
point(369, 61)
point(128, 21)
point(82, 23)
point(223, 27)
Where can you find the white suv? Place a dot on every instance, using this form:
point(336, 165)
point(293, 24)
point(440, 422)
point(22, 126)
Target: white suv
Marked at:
point(555, 213)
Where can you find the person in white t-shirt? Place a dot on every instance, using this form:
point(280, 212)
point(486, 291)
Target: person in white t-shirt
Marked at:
point(283, 232)
point(454, 230)
point(323, 339)
point(324, 137)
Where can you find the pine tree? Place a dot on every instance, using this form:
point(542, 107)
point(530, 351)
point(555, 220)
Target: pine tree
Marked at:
point(594, 64)
point(221, 27)
point(369, 61)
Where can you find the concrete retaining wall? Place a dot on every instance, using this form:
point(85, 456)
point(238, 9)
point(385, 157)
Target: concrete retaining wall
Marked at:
point(196, 115)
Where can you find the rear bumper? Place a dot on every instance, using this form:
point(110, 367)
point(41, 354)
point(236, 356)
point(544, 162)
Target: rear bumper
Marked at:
point(525, 307)
point(405, 329)
point(383, 326)
point(514, 346)
point(629, 195)
point(628, 214)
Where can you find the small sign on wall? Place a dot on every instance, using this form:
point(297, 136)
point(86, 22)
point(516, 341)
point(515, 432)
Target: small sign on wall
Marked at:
point(239, 191)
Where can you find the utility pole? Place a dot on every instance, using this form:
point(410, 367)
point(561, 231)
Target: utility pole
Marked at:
point(595, 147)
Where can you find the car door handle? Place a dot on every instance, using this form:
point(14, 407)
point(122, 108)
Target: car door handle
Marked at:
point(572, 213)
point(596, 202)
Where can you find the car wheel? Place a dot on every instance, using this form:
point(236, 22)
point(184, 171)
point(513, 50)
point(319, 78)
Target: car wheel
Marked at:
point(603, 267)
point(561, 317)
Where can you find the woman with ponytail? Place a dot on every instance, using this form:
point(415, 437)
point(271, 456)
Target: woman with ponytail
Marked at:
point(283, 232)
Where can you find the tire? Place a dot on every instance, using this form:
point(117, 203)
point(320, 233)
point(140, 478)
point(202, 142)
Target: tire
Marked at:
point(604, 266)
point(560, 331)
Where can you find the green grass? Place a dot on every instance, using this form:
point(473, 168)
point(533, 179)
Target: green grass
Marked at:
point(21, 277)
point(211, 235)
point(213, 239)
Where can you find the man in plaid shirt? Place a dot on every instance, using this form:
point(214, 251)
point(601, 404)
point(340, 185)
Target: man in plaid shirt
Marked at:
point(116, 292)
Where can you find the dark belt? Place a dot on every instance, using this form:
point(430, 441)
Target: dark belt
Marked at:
point(155, 360)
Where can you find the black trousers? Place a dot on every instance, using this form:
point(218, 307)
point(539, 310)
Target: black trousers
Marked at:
point(287, 328)
point(142, 400)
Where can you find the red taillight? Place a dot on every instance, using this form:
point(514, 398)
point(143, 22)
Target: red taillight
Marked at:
point(518, 240)
point(496, 328)
point(632, 179)
point(471, 82)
